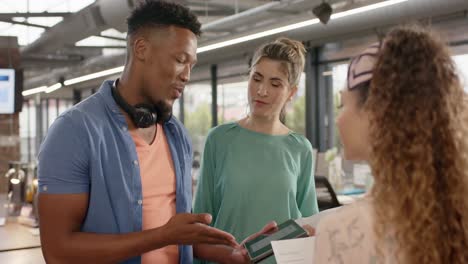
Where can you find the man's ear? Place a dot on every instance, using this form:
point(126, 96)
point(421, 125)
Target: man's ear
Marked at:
point(140, 48)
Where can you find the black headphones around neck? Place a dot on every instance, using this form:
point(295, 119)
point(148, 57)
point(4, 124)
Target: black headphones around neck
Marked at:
point(142, 115)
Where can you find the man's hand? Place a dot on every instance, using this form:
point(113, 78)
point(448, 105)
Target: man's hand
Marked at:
point(239, 255)
point(189, 229)
point(268, 229)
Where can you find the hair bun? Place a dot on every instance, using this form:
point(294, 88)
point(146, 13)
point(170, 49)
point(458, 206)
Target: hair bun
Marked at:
point(296, 45)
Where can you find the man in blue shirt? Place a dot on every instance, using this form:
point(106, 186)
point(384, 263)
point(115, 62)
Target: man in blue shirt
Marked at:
point(90, 200)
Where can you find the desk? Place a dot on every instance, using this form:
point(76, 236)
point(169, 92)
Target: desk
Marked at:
point(19, 246)
point(347, 199)
point(350, 195)
point(23, 256)
point(15, 236)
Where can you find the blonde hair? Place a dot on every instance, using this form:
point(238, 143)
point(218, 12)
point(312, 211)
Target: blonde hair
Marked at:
point(419, 150)
point(290, 52)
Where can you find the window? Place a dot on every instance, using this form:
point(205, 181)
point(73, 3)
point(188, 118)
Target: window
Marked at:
point(339, 73)
point(197, 113)
point(461, 61)
point(295, 110)
point(233, 102)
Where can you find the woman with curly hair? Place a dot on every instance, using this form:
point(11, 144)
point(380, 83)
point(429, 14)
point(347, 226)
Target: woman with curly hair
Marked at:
point(402, 112)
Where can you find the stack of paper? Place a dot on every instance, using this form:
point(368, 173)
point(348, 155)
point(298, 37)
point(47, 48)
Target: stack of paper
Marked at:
point(314, 220)
point(294, 251)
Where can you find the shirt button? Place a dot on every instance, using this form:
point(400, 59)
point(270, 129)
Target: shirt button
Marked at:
point(140, 202)
point(124, 128)
point(44, 188)
point(135, 162)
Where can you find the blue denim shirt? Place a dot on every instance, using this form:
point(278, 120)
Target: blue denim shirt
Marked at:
point(88, 149)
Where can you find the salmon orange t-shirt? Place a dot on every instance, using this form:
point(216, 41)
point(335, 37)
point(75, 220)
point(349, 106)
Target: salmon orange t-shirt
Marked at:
point(159, 191)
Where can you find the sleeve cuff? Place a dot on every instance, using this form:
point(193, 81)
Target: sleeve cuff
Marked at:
point(63, 189)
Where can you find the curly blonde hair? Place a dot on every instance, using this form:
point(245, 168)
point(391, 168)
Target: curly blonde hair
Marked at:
point(419, 153)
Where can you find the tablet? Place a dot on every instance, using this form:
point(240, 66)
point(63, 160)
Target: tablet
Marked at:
point(260, 248)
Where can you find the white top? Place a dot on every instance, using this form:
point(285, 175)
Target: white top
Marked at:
point(345, 235)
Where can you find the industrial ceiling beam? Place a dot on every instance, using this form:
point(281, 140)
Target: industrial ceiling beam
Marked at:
point(23, 23)
point(34, 14)
point(111, 37)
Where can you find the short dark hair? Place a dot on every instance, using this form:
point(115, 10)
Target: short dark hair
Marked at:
point(161, 13)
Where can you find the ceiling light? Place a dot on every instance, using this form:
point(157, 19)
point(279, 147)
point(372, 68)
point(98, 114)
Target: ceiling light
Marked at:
point(296, 25)
point(85, 78)
point(53, 87)
point(94, 75)
point(34, 91)
point(227, 43)
point(257, 35)
point(366, 8)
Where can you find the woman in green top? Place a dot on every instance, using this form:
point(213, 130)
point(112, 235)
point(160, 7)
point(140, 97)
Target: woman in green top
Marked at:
point(257, 170)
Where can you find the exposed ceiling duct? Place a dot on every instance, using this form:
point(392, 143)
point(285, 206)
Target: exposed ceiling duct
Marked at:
point(102, 15)
point(243, 18)
point(89, 66)
point(91, 20)
point(314, 34)
point(114, 12)
point(73, 28)
point(38, 60)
